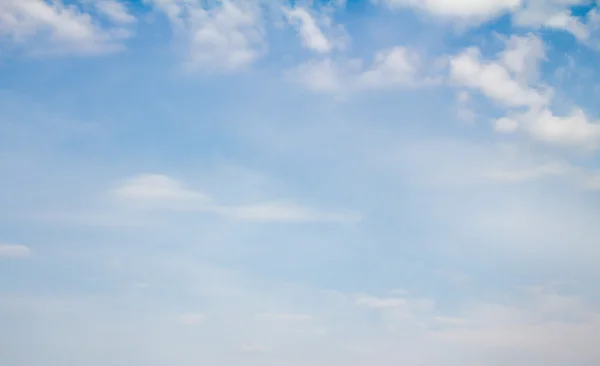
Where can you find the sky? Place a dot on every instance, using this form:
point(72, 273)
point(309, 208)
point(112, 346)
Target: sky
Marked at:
point(299, 183)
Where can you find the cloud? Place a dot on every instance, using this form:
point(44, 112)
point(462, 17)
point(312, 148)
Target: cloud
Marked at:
point(51, 28)
point(155, 187)
point(223, 37)
point(574, 130)
point(395, 67)
point(557, 14)
point(511, 81)
point(505, 125)
point(115, 11)
point(522, 56)
point(283, 211)
point(324, 76)
point(391, 67)
point(160, 192)
point(311, 35)
point(493, 79)
point(553, 14)
point(466, 10)
point(14, 251)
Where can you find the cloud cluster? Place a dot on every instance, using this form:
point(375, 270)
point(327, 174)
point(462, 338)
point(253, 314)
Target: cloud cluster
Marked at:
point(536, 14)
point(53, 28)
point(511, 81)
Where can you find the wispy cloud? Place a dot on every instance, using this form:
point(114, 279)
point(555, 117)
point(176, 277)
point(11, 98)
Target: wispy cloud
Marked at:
point(159, 192)
point(14, 250)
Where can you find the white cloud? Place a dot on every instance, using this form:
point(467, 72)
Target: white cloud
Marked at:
point(311, 35)
point(391, 67)
point(14, 250)
point(469, 10)
point(282, 211)
point(170, 194)
point(555, 14)
point(323, 76)
point(155, 187)
point(522, 56)
point(505, 125)
point(511, 80)
point(493, 79)
point(574, 130)
point(51, 28)
point(114, 10)
point(395, 67)
point(225, 37)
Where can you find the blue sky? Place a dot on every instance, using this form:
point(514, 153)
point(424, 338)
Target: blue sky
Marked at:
point(299, 183)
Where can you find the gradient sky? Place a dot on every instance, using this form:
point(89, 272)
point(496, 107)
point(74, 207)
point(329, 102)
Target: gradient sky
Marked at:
point(299, 183)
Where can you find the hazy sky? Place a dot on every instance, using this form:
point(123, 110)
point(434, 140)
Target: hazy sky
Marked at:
point(299, 183)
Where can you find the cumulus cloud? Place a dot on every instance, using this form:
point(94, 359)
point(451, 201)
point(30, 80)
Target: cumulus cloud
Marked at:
point(573, 130)
point(511, 80)
point(311, 35)
point(225, 37)
point(395, 67)
point(52, 28)
point(493, 79)
point(522, 56)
